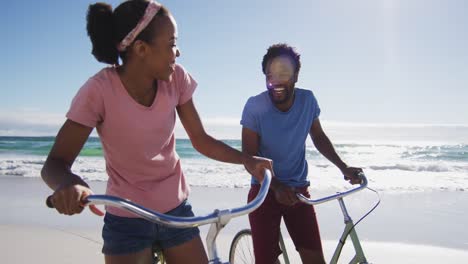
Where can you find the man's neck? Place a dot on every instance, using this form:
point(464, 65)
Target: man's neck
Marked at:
point(285, 106)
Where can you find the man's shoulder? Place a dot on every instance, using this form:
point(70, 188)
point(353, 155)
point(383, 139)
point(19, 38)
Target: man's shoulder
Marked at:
point(257, 105)
point(259, 97)
point(307, 94)
point(304, 92)
point(257, 100)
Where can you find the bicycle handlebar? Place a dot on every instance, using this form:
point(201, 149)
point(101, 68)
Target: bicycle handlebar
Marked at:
point(363, 185)
point(180, 222)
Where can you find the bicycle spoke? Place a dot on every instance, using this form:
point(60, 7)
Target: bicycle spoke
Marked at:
point(242, 249)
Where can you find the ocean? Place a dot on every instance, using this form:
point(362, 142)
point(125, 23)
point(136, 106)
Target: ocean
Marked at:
point(400, 159)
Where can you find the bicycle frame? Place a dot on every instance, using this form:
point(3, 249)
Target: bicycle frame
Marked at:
point(349, 230)
point(218, 219)
point(349, 225)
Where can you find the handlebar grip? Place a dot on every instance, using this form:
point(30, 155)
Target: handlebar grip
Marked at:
point(359, 174)
point(49, 202)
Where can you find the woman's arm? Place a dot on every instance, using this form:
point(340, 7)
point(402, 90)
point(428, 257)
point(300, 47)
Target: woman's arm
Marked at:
point(69, 188)
point(68, 144)
point(215, 149)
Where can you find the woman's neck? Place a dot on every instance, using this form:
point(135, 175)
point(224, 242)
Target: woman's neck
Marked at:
point(139, 85)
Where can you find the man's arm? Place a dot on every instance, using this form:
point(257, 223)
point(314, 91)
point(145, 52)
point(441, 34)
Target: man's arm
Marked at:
point(250, 144)
point(324, 146)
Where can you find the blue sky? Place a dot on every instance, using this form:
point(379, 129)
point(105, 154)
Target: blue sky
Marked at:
point(367, 61)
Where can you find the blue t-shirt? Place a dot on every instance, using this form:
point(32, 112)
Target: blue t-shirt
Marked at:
point(283, 134)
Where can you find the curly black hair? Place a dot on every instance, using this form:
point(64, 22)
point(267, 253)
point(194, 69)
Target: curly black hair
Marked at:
point(280, 49)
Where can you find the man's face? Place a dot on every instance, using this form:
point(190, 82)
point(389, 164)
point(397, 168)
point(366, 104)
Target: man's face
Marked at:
point(280, 79)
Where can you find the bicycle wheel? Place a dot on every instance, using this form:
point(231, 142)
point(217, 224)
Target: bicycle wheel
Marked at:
point(242, 248)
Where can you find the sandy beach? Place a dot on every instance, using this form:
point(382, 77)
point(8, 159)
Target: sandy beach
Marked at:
point(411, 227)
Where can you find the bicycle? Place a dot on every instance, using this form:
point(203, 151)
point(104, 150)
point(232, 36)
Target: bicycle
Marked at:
point(241, 250)
point(218, 219)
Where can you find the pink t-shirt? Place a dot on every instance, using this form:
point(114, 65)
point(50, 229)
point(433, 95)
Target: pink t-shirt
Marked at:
point(138, 141)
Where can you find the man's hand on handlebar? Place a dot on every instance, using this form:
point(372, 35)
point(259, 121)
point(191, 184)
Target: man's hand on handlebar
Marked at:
point(353, 175)
point(284, 194)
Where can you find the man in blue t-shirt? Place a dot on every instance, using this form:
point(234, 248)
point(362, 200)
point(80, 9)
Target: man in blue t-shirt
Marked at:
point(276, 124)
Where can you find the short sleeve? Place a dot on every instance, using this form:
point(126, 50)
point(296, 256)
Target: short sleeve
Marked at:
point(87, 107)
point(186, 84)
point(248, 117)
point(315, 107)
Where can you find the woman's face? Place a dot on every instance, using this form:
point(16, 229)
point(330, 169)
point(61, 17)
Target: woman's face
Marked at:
point(163, 49)
point(280, 79)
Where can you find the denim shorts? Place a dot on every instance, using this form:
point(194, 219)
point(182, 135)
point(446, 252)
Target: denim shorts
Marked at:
point(123, 235)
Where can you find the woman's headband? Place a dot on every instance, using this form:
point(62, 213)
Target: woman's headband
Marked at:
point(151, 10)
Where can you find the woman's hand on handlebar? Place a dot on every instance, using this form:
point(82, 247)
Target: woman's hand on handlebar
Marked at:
point(256, 166)
point(70, 199)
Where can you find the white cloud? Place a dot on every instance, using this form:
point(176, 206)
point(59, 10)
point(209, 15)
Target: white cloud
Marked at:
point(218, 127)
point(29, 122)
point(221, 121)
point(340, 124)
point(34, 122)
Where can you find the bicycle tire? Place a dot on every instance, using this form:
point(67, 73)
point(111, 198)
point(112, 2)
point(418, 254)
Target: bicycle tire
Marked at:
point(241, 250)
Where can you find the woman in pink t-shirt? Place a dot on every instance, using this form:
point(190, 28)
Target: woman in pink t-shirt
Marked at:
point(133, 107)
